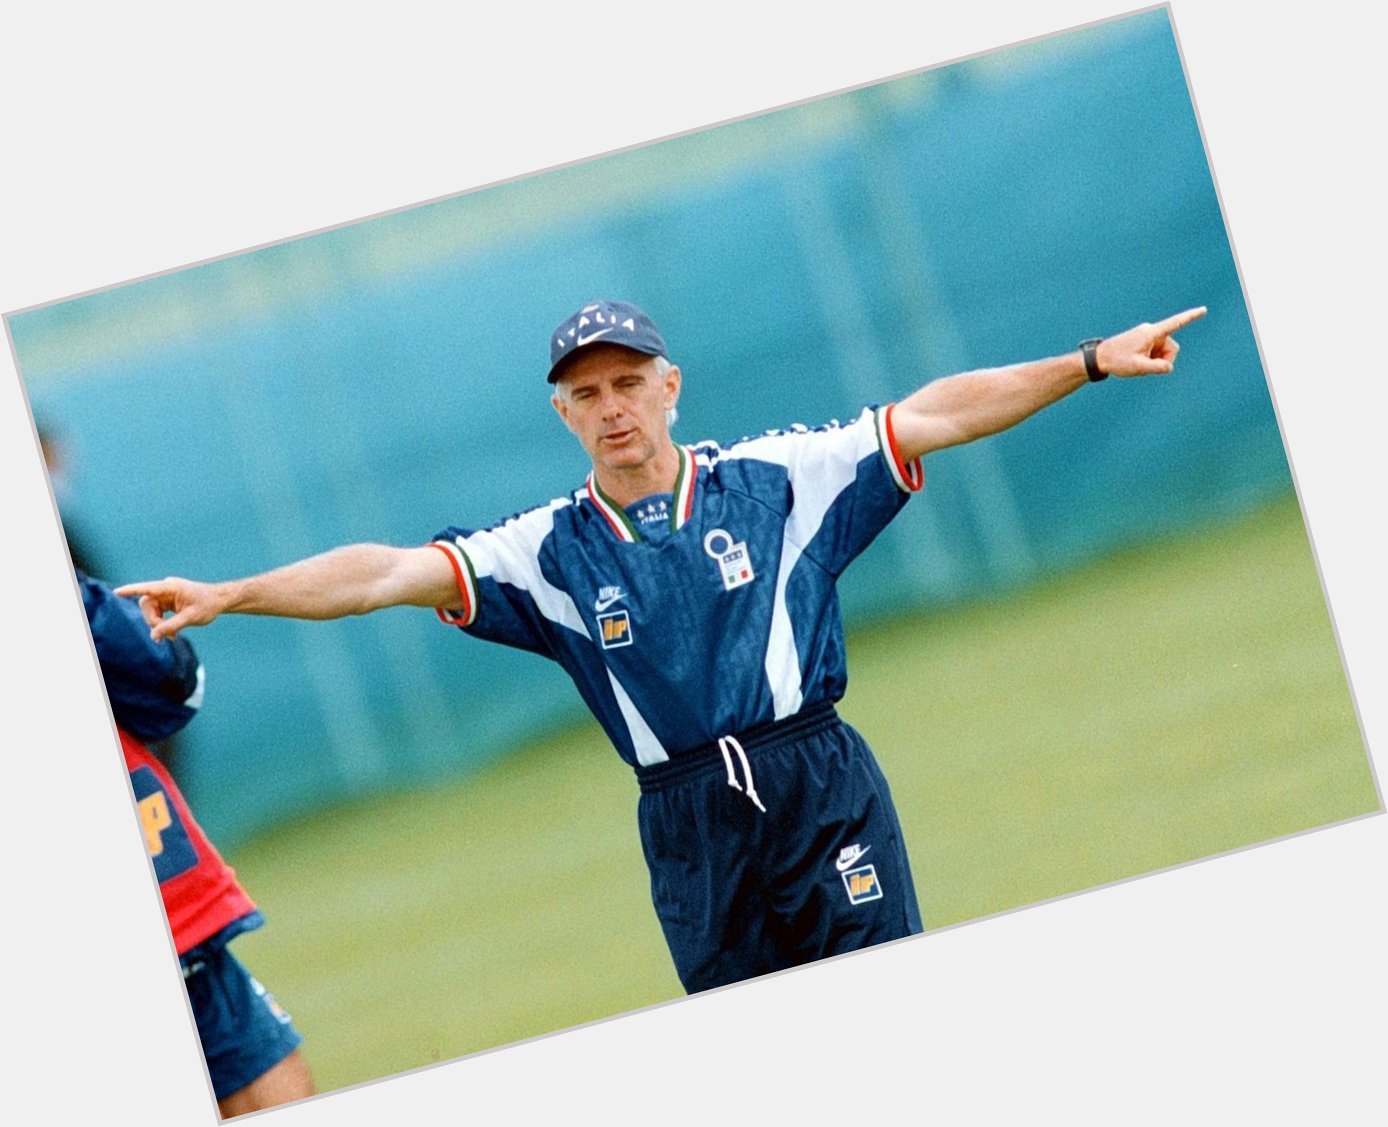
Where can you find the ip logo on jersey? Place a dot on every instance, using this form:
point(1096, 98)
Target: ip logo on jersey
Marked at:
point(862, 884)
point(165, 836)
point(614, 630)
point(733, 562)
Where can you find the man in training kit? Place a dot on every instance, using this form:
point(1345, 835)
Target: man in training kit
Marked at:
point(248, 1041)
point(689, 591)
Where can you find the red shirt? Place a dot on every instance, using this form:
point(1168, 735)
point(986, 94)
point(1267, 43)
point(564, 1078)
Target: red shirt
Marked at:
point(201, 893)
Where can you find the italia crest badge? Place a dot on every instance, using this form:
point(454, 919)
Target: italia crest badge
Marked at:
point(732, 559)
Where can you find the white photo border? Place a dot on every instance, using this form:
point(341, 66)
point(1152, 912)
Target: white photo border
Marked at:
point(149, 136)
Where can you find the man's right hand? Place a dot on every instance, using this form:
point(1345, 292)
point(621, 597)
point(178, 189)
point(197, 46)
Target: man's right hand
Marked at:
point(185, 601)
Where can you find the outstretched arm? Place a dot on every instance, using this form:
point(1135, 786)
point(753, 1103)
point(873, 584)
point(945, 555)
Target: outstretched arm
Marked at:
point(345, 581)
point(959, 409)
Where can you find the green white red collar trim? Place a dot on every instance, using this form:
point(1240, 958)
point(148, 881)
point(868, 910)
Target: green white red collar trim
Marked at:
point(680, 510)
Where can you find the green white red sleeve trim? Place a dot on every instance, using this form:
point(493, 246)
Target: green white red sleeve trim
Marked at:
point(909, 476)
point(467, 586)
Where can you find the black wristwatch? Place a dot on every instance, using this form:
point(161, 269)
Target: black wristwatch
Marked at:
point(1090, 349)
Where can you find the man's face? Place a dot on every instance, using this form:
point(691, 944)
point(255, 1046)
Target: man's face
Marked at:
point(614, 400)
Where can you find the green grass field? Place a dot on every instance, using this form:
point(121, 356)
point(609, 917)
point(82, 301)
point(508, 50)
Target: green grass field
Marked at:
point(1165, 705)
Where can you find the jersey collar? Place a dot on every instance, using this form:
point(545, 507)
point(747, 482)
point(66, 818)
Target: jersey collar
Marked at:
point(680, 510)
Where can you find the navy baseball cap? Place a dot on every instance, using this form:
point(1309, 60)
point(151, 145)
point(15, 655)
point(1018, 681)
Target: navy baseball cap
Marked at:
point(604, 322)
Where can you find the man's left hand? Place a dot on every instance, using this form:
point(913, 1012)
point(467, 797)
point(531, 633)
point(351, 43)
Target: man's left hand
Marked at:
point(1145, 350)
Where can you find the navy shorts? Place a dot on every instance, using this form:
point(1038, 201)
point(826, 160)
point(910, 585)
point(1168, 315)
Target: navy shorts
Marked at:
point(775, 851)
point(244, 1031)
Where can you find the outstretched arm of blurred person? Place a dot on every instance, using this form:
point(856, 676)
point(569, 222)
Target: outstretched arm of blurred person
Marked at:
point(351, 580)
point(154, 690)
point(959, 409)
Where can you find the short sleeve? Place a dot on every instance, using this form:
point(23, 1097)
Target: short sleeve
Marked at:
point(847, 481)
point(506, 593)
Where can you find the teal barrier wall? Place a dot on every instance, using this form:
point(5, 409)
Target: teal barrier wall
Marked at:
point(380, 381)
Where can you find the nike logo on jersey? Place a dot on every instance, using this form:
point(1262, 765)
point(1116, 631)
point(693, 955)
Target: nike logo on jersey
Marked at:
point(607, 596)
point(849, 855)
point(582, 340)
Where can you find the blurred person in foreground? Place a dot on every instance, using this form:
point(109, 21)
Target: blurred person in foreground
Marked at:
point(61, 464)
point(248, 1040)
point(689, 591)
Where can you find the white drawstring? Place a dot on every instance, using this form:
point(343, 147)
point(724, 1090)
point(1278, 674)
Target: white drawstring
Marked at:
point(726, 742)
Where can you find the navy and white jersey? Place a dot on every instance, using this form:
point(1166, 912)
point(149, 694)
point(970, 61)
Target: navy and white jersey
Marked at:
point(729, 621)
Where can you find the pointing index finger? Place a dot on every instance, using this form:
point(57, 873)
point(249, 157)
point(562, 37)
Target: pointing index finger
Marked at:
point(1179, 320)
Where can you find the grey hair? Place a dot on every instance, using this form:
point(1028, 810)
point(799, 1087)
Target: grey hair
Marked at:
point(662, 369)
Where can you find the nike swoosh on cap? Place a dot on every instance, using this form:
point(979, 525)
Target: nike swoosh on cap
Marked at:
point(582, 340)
